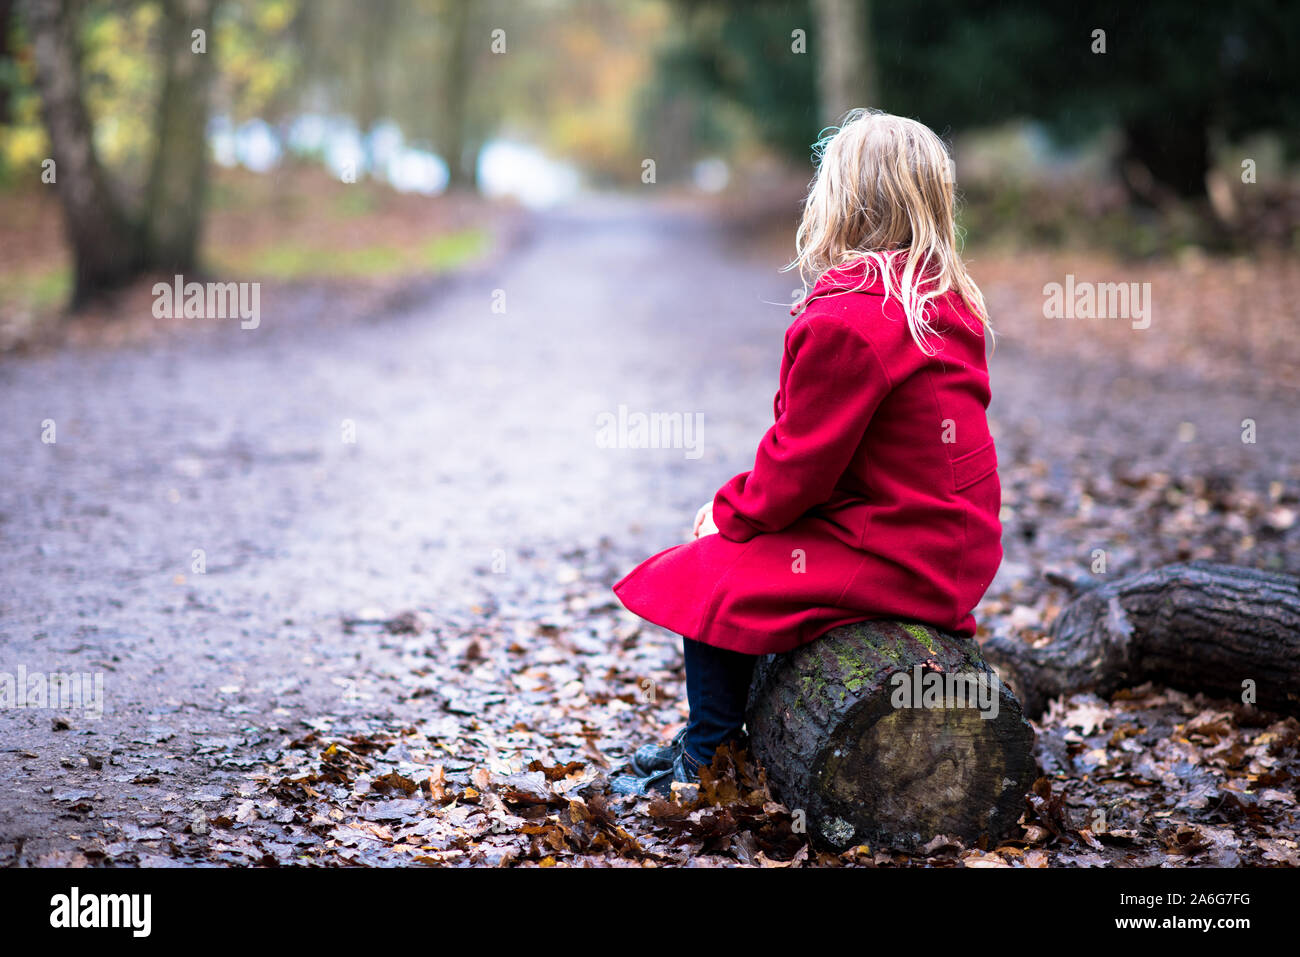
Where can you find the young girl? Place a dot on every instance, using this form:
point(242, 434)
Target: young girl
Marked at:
point(875, 494)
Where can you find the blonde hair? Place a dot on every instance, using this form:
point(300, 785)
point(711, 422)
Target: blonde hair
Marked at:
point(885, 187)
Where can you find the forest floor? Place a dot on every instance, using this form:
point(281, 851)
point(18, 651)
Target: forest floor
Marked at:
point(346, 576)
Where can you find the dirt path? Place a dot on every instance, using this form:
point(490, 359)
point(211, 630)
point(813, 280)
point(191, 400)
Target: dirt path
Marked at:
point(475, 482)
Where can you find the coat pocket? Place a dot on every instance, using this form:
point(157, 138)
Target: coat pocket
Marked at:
point(974, 466)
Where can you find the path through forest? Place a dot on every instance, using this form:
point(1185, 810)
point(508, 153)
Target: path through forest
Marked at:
point(475, 495)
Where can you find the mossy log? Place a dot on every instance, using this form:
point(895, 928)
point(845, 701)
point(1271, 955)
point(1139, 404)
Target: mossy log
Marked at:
point(1199, 626)
point(888, 734)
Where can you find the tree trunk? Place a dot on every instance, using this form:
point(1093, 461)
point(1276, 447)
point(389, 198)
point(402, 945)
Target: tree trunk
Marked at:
point(105, 246)
point(6, 60)
point(178, 177)
point(845, 65)
point(454, 140)
point(378, 20)
point(868, 765)
point(1202, 626)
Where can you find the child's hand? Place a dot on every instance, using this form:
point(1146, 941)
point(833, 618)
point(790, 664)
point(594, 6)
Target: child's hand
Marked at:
point(704, 520)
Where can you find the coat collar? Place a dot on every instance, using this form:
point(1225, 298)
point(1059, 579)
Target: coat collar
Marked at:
point(846, 278)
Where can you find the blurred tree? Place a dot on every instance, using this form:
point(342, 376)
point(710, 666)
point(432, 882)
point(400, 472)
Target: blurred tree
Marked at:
point(178, 176)
point(414, 62)
point(1172, 74)
point(454, 138)
point(731, 59)
point(265, 46)
point(113, 241)
point(8, 70)
point(378, 22)
point(845, 61)
point(105, 244)
point(1172, 77)
point(573, 83)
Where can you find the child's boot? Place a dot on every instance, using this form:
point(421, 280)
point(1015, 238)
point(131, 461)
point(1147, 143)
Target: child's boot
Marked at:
point(683, 769)
point(651, 758)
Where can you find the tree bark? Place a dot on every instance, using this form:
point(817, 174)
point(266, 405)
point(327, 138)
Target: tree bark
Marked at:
point(838, 740)
point(1202, 626)
point(178, 177)
point(105, 246)
point(845, 65)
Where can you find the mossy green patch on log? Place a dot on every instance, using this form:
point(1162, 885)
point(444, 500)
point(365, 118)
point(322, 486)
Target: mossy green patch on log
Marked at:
point(920, 634)
point(855, 666)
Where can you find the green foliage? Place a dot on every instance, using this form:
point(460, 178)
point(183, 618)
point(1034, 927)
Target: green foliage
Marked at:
point(122, 81)
point(731, 67)
point(23, 144)
point(260, 58)
point(1172, 71)
point(965, 63)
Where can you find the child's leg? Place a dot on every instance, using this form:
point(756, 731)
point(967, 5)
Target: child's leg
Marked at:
point(717, 687)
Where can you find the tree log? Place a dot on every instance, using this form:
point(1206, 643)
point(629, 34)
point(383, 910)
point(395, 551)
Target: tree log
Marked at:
point(1201, 626)
point(868, 763)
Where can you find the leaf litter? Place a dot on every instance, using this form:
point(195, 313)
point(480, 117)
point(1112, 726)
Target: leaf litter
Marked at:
point(525, 722)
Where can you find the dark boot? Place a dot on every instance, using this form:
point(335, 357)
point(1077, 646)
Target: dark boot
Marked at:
point(682, 770)
point(650, 758)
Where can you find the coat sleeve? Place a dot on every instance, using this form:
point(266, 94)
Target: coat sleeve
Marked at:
point(834, 384)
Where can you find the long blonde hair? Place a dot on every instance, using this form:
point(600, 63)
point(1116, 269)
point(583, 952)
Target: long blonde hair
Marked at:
point(885, 187)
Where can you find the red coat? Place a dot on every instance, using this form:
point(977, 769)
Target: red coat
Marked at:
point(874, 495)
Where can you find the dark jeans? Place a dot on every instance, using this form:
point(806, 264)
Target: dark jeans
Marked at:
point(717, 687)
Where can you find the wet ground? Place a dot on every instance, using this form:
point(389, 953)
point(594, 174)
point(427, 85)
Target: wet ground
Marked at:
point(229, 521)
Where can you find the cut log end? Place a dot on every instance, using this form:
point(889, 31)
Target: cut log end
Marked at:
point(889, 734)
